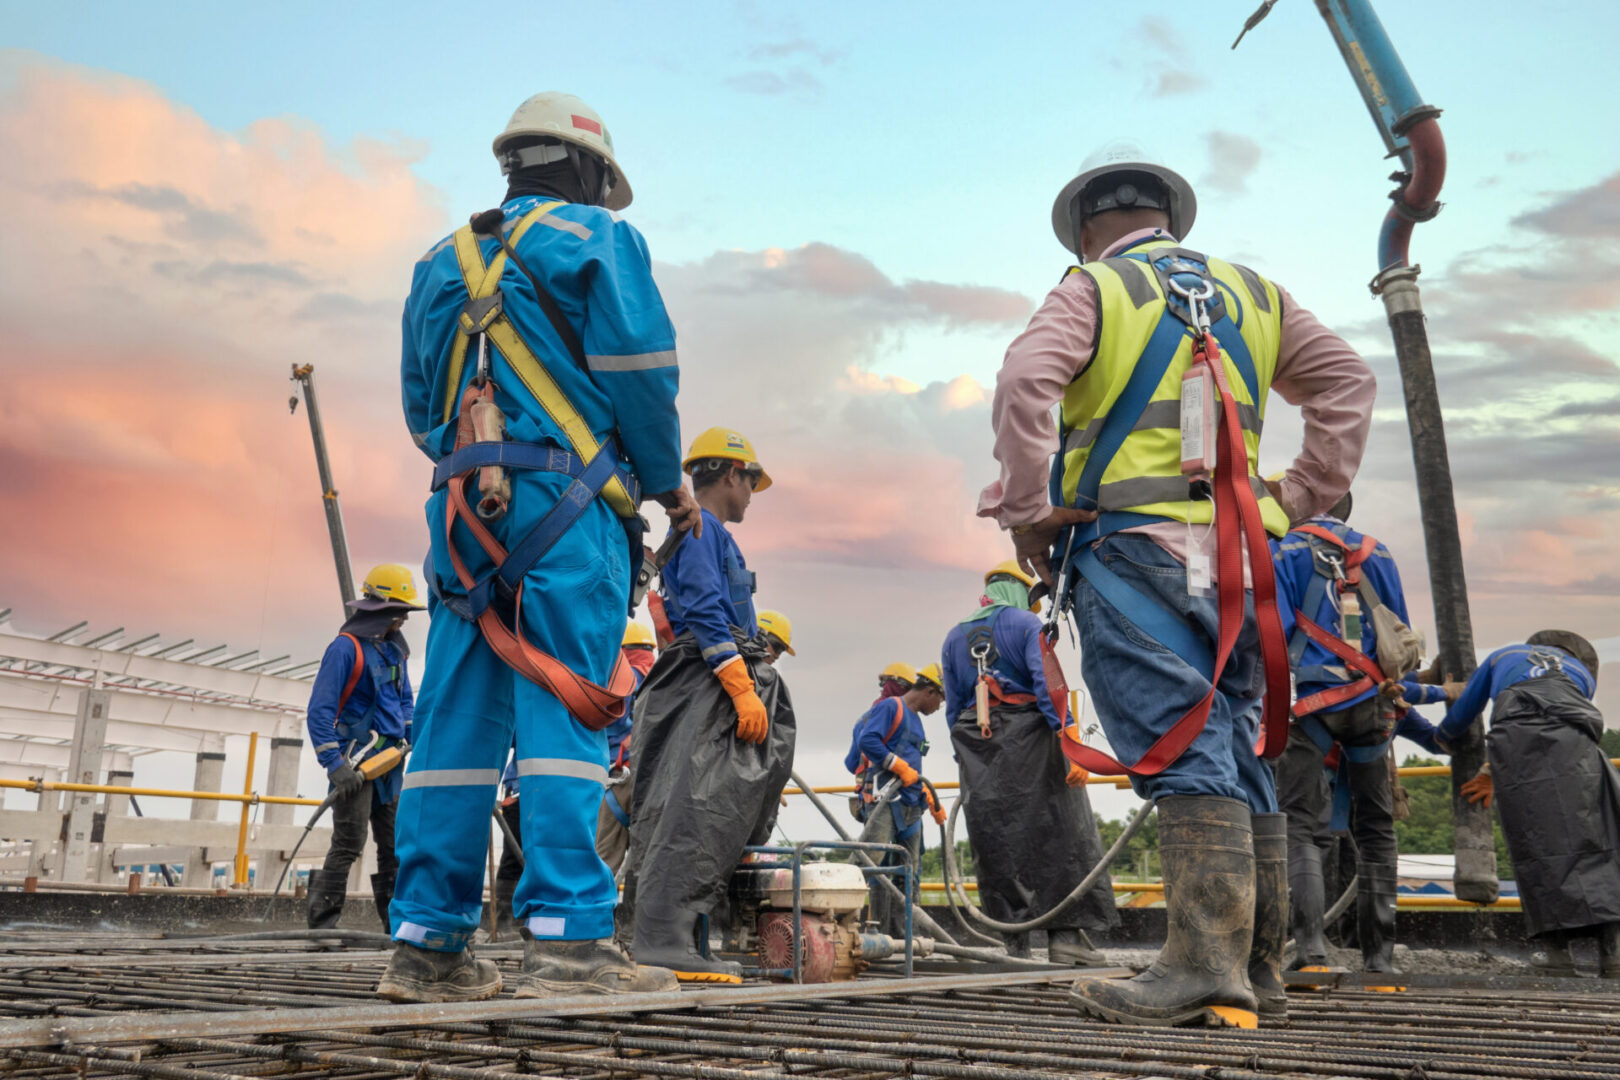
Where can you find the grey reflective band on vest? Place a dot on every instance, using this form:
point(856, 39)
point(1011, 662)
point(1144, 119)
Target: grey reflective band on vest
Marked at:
point(452, 778)
point(578, 770)
point(1133, 275)
point(1165, 413)
point(1257, 288)
point(1146, 490)
point(716, 650)
point(638, 362)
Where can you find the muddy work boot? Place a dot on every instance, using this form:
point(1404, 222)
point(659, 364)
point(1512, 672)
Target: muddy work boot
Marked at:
point(422, 975)
point(1375, 917)
point(1609, 950)
point(1202, 974)
point(1307, 902)
point(562, 968)
point(1017, 946)
point(506, 927)
point(666, 938)
point(1270, 914)
point(1552, 957)
point(327, 891)
point(1073, 947)
point(382, 893)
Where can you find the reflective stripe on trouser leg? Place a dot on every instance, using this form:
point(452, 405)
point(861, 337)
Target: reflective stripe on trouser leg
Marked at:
point(462, 728)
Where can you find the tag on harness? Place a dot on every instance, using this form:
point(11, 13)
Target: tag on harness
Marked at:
point(1200, 574)
point(1200, 423)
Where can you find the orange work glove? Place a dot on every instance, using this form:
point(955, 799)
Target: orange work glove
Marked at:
point(906, 773)
point(752, 722)
point(1077, 775)
point(934, 809)
point(1481, 789)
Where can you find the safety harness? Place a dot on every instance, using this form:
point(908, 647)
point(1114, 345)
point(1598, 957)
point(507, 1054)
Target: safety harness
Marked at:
point(865, 779)
point(495, 602)
point(1193, 305)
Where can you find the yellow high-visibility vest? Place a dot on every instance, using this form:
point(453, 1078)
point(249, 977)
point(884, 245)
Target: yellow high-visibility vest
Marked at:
point(1145, 475)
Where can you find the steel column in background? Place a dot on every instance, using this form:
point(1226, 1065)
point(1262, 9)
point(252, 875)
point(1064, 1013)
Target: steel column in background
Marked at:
point(304, 375)
point(89, 737)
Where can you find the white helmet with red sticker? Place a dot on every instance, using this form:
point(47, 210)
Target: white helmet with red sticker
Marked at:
point(567, 119)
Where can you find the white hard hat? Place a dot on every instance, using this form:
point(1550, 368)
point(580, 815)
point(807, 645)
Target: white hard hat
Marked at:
point(568, 119)
point(1124, 157)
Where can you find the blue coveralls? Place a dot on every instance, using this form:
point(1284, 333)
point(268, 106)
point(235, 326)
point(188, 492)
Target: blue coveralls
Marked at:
point(1505, 667)
point(574, 600)
point(871, 739)
point(1017, 639)
point(708, 589)
point(379, 705)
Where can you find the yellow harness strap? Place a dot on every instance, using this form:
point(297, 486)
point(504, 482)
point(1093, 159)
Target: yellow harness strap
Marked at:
point(482, 280)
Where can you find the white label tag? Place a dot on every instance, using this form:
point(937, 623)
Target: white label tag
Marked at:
point(1200, 576)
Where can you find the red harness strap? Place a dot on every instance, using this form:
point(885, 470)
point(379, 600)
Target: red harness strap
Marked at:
point(1001, 697)
point(1237, 519)
point(593, 706)
point(1371, 675)
point(662, 629)
point(866, 762)
point(1057, 684)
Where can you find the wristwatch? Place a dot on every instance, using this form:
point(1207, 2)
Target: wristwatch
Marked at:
point(1023, 530)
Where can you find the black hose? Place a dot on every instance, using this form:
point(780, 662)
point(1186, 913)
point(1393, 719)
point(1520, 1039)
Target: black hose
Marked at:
point(282, 879)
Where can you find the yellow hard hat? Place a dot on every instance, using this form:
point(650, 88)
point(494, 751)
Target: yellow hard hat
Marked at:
point(1011, 569)
point(728, 445)
point(393, 583)
point(933, 674)
point(899, 670)
point(777, 625)
point(635, 634)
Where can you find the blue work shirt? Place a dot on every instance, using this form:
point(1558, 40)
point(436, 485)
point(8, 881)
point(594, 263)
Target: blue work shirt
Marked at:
point(1506, 667)
point(385, 682)
point(597, 269)
point(709, 590)
point(872, 740)
point(1015, 662)
point(1295, 567)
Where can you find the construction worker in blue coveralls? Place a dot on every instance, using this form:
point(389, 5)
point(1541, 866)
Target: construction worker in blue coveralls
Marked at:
point(886, 754)
point(1556, 791)
point(1154, 516)
point(714, 730)
point(1028, 814)
point(539, 374)
point(1351, 688)
point(359, 706)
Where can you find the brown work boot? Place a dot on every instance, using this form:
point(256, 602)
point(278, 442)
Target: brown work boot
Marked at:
point(564, 968)
point(423, 975)
point(1270, 914)
point(1202, 974)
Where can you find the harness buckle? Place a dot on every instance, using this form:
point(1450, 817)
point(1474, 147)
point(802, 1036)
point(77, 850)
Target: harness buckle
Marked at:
point(479, 313)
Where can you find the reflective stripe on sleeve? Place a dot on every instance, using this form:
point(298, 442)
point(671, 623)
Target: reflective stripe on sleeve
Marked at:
point(719, 650)
point(638, 362)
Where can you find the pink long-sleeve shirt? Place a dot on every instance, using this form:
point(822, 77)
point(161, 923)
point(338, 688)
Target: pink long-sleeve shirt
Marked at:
point(1316, 370)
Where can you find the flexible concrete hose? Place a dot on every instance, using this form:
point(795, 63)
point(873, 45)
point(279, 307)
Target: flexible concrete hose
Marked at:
point(953, 877)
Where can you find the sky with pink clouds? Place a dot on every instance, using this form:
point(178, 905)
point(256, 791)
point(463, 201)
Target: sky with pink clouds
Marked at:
point(848, 214)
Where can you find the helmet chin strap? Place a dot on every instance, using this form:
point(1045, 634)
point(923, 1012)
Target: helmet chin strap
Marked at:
point(577, 159)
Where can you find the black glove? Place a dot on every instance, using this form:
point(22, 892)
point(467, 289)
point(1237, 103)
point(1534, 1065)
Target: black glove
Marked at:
point(346, 780)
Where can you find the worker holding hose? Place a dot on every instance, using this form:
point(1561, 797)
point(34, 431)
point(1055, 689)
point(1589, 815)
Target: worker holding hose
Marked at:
point(539, 375)
point(1160, 548)
point(1028, 815)
point(359, 706)
point(886, 755)
point(714, 731)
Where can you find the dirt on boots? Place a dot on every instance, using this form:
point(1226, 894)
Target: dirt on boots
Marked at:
point(423, 975)
point(1073, 947)
point(563, 968)
point(1270, 914)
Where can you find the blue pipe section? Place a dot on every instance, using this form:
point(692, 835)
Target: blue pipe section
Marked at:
point(1385, 86)
point(1394, 237)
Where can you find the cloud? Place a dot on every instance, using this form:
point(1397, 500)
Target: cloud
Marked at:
point(794, 80)
point(1233, 159)
point(798, 46)
point(1592, 212)
point(1175, 74)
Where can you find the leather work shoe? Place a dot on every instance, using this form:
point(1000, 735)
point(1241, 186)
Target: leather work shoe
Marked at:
point(423, 975)
point(563, 968)
point(1073, 947)
point(1201, 975)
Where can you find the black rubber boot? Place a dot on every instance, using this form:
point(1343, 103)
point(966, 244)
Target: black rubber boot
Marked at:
point(1202, 974)
point(422, 975)
point(561, 968)
point(382, 891)
point(1270, 914)
point(1073, 947)
point(666, 938)
point(1375, 917)
point(1551, 956)
point(1609, 950)
point(1307, 902)
point(506, 926)
point(327, 891)
point(1018, 945)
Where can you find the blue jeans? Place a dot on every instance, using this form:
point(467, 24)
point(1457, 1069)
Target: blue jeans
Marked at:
point(1141, 688)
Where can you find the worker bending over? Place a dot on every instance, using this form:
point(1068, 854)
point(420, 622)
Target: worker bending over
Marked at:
point(1556, 792)
point(1028, 815)
point(714, 726)
point(1156, 579)
point(539, 375)
point(1332, 582)
point(886, 757)
point(359, 706)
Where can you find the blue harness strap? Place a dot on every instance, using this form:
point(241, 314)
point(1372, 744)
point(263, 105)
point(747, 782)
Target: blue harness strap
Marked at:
point(614, 808)
point(536, 457)
point(1318, 733)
